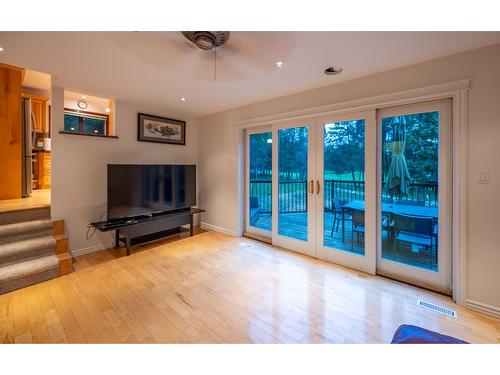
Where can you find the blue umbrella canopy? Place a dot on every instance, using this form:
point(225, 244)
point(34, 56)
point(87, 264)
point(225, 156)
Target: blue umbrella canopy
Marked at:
point(398, 177)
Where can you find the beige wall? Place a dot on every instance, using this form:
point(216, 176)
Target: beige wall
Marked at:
point(94, 104)
point(219, 151)
point(79, 166)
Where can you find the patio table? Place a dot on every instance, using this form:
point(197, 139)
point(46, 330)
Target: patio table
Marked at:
point(390, 208)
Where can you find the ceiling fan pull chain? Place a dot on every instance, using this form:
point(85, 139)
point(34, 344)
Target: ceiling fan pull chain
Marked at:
point(215, 64)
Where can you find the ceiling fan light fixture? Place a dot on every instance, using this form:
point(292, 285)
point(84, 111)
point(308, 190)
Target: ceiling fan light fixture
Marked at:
point(279, 64)
point(207, 40)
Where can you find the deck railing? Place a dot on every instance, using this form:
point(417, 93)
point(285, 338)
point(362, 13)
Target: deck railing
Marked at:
point(293, 195)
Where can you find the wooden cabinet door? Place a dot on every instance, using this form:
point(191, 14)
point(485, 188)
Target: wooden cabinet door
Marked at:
point(44, 167)
point(10, 131)
point(37, 107)
point(47, 170)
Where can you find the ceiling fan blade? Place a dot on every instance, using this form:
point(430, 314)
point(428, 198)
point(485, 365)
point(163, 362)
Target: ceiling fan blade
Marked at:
point(260, 50)
point(151, 47)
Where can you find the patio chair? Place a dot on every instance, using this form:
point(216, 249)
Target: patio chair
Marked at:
point(358, 226)
point(337, 215)
point(415, 230)
point(254, 210)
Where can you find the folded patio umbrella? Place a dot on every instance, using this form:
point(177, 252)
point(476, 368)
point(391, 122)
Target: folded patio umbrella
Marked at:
point(398, 177)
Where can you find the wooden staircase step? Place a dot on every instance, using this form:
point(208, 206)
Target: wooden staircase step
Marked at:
point(25, 230)
point(15, 252)
point(42, 256)
point(20, 275)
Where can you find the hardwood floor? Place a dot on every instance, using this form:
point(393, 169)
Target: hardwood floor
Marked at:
point(39, 198)
point(212, 288)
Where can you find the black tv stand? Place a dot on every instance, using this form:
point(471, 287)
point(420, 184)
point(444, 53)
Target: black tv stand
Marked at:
point(140, 230)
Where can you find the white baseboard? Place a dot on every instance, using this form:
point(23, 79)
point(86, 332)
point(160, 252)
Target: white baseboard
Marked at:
point(484, 308)
point(87, 250)
point(215, 228)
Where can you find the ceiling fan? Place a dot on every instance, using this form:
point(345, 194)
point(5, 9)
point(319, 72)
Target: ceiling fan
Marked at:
point(207, 40)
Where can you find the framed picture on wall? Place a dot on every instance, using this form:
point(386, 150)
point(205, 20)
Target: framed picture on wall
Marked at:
point(161, 129)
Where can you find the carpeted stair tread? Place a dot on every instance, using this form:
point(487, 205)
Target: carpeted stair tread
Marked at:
point(19, 275)
point(33, 248)
point(25, 230)
point(18, 216)
point(20, 248)
point(25, 226)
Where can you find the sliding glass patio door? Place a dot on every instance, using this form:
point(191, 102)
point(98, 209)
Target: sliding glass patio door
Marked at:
point(414, 194)
point(369, 190)
point(294, 187)
point(259, 171)
point(345, 204)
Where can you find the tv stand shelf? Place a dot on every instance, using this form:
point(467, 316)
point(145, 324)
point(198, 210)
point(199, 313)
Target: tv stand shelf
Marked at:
point(141, 230)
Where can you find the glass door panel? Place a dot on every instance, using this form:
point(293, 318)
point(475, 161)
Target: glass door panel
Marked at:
point(259, 179)
point(292, 182)
point(294, 188)
point(414, 191)
point(410, 204)
point(344, 186)
point(346, 211)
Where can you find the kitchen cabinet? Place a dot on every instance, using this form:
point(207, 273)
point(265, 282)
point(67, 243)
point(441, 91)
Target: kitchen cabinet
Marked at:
point(44, 167)
point(11, 136)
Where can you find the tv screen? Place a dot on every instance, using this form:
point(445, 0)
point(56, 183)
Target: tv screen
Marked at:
point(135, 190)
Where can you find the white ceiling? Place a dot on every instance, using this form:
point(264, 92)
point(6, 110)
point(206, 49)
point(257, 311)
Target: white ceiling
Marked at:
point(158, 68)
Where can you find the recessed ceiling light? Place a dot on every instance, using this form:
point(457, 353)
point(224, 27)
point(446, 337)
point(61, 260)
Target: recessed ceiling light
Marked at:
point(183, 99)
point(84, 97)
point(331, 71)
point(107, 110)
point(1, 49)
point(279, 64)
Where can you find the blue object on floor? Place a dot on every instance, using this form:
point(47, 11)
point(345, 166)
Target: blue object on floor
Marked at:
point(408, 334)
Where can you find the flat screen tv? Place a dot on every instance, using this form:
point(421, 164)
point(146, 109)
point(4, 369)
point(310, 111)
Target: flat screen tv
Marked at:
point(138, 190)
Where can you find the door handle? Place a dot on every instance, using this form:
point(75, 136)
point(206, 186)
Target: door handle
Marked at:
point(317, 187)
point(311, 187)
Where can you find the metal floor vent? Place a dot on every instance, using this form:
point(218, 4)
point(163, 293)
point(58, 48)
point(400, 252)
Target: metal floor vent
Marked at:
point(437, 308)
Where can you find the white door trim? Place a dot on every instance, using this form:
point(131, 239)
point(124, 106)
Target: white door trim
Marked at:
point(458, 92)
point(412, 96)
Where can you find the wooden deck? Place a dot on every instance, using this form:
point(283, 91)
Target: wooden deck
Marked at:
point(295, 225)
